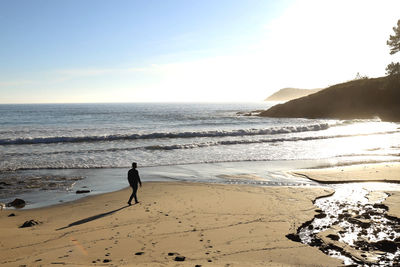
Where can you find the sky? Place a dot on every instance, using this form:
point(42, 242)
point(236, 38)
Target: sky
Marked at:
point(82, 51)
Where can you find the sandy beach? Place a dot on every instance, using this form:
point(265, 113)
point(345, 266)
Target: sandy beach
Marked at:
point(177, 224)
point(208, 224)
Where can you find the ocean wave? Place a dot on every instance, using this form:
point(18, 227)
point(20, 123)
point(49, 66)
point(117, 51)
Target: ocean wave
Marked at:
point(354, 162)
point(348, 162)
point(355, 121)
point(257, 141)
point(197, 145)
point(215, 133)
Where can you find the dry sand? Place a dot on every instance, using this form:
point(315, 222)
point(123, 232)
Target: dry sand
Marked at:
point(208, 224)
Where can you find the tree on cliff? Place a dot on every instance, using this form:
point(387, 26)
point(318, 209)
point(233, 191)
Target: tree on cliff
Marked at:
point(393, 68)
point(394, 40)
point(394, 44)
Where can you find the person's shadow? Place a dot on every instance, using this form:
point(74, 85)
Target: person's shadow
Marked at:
point(91, 218)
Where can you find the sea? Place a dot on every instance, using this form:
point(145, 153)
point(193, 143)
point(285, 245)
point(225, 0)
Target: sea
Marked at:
point(49, 151)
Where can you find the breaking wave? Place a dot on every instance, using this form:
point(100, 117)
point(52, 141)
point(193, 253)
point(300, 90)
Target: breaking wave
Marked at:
point(215, 133)
point(203, 144)
point(271, 140)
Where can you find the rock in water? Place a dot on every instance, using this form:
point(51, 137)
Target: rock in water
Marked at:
point(17, 203)
point(82, 191)
point(385, 245)
point(320, 216)
point(29, 223)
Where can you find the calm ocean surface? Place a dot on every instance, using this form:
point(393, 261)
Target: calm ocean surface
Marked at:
point(39, 144)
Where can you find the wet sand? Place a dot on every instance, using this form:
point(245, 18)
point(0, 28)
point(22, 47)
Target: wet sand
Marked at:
point(202, 224)
point(382, 172)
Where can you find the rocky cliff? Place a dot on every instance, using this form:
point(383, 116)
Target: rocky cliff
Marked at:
point(358, 99)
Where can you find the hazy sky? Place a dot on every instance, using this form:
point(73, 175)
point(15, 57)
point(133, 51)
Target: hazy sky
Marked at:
point(187, 50)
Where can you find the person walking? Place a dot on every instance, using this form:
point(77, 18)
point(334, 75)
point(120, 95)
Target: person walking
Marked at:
point(134, 180)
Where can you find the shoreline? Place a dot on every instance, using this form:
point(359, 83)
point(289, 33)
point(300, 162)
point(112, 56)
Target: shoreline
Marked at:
point(105, 180)
point(258, 173)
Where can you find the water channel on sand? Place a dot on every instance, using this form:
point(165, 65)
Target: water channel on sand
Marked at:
point(353, 225)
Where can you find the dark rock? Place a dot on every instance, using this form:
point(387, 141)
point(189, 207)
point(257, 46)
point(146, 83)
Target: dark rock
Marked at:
point(179, 258)
point(11, 215)
point(82, 191)
point(171, 253)
point(364, 232)
point(362, 224)
point(333, 237)
point(29, 223)
point(366, 216)
point(320, 216)
point(353, 220)
point(139, 253)
point(343, 215)
point(310, 227)
point(385, 245)
point(17, 203)
point(365, 225)
point(293, 237)
point(380, 206)
point(106, 260)
point(316, 242)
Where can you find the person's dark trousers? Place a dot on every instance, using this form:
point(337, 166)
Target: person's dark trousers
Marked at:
point(134, 190)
